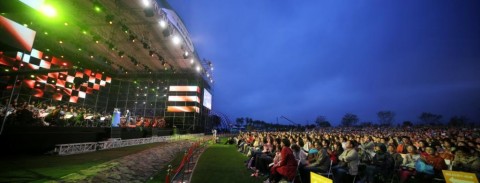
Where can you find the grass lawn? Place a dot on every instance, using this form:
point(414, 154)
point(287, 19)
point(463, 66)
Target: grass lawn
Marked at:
point(43, 168)
point(222, 163)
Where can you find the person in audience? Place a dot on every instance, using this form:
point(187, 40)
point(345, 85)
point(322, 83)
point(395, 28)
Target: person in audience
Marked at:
point(299, 154)
point(397, 158)
point(348, 165)
point(336, 151)
point(408, 165)
point(381, 167)
point(287, 166)
point(433, 160)
point(402, 147)
point(466, 161)
point(448, 149)
point(321, 164)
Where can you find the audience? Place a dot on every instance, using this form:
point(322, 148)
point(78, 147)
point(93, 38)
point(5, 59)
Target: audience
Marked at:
point(366, 154)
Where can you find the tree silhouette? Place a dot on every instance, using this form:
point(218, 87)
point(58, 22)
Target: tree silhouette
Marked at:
point(239, 121)
point(216, 120)
point(429, 118)
point(386, 118)
point(321, 121)
point(457, 121)
point(349, 119)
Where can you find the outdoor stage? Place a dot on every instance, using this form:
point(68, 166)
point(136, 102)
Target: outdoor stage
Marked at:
point(41, 140)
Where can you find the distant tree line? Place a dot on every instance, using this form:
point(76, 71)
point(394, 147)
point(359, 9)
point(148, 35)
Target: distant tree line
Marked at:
point(385, 118)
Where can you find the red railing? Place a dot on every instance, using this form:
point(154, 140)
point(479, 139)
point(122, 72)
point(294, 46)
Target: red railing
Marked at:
point(185, 161)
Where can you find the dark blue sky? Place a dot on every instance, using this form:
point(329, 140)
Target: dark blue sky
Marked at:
point(301, 59)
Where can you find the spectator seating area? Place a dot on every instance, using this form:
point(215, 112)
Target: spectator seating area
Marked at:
point(373, 155)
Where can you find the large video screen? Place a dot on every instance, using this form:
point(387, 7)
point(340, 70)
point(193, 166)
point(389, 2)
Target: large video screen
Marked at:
point(207, 99)
point(16, 35)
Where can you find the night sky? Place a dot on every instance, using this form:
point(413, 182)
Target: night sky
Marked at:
point(301, 59)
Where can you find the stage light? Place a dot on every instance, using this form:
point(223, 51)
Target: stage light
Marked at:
point(198, 68)
point(163, 24)
point(124, 28)
point(109, 19)
point(6, 70)
point(185, 55)
point(46, 33)
point(121, 53)
point(66, 23)
point(152, 53)
point(48, 10)
point(97, 6)
point(132, 38)
point(61, 42)
point(96, 39)
point(32, 76)
point(146, 3)
point(176, 40)
point(191, 61)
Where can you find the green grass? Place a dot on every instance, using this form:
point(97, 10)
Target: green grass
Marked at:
point(45, 168)
point(222, 163)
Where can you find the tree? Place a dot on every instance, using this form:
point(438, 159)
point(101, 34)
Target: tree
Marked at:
point(249, 121)
point(366, 124)
point(321, 121)
point(216, 120)
point(457, 121)
point(386, 118)
point(349, 119)
point(407, 123)
point(239, 121)
point(430, 119)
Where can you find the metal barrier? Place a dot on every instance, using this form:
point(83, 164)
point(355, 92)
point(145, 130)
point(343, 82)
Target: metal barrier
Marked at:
point(77, 148)
point(67, 149)
point(184, 170)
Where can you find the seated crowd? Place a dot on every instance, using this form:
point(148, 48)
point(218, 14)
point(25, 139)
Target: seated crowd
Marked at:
point(362, 154)
point(45, 114)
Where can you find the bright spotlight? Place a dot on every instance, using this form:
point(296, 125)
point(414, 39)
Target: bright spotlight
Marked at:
point(146, 3)
point(198, 68)
point(48, 10)
point(191, 61)
point(176, 40)
point(163, 24)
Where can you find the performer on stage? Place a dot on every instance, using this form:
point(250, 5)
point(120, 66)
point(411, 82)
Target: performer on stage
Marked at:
point(127, 116)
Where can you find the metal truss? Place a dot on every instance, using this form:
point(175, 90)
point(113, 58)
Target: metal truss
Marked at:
point(67, 149)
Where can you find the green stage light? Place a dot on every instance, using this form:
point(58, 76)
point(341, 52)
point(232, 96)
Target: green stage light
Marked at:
point(48, 10)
